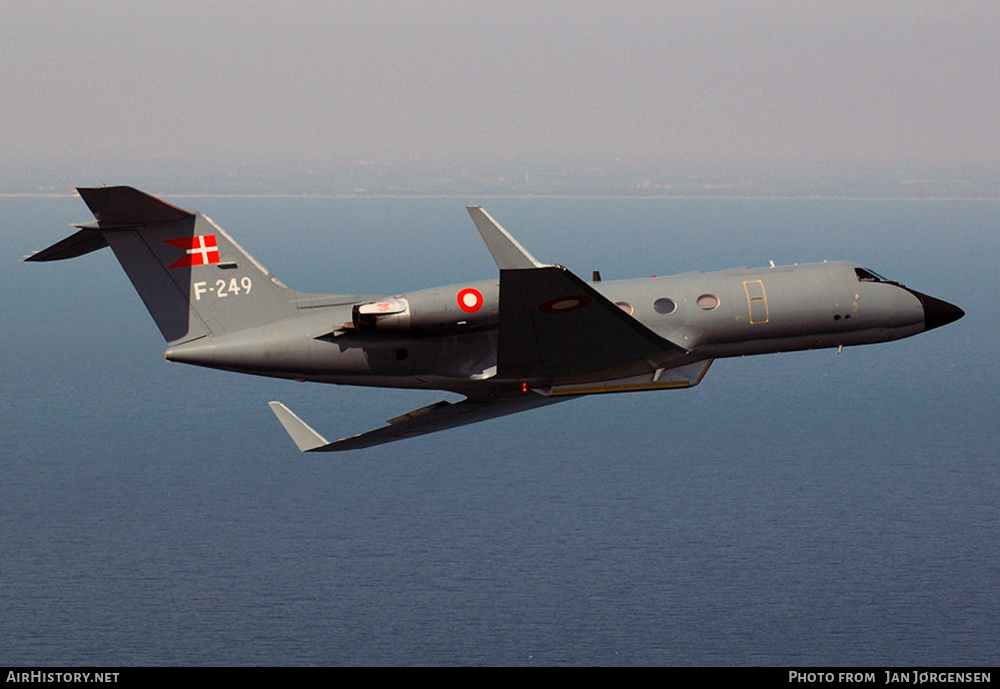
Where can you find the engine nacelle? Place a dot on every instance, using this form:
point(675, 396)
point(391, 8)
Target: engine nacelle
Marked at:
point(425, 313)
point(391, 314)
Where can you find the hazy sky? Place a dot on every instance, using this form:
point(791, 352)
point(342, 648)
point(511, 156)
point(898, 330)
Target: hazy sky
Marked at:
point(694, 81)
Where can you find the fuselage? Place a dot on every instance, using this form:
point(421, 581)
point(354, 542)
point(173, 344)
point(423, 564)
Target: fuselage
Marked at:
point(442, 338)
point(535, 336)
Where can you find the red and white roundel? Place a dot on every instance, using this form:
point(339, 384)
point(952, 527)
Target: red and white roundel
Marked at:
point(470, 300)
point(565, 304)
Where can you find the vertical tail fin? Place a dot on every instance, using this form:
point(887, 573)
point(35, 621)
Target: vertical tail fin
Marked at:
point(194, 279)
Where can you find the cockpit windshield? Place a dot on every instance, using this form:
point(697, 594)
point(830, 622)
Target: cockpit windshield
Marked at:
point(865, 275)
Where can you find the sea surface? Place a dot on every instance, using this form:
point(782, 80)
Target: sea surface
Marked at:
point(796, 509)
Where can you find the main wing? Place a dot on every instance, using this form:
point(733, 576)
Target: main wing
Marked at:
point(435, 417)
point(558, 338)
point(554, 328)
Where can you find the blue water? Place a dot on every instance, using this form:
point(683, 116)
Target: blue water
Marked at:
point(794, 509)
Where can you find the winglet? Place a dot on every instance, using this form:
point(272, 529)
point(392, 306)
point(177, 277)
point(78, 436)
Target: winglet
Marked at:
point(507, 252)
point(302, 434)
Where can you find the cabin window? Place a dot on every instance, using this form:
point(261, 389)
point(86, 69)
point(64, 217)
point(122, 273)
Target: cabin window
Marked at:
point(625, 306)
point(664, 306)
point(708, 302)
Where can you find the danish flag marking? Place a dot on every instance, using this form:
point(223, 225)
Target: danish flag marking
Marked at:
point(201, 250)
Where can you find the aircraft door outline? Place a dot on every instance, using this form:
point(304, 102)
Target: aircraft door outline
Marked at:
point(757, 301)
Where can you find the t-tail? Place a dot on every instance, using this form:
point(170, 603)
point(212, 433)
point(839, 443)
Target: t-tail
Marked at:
point(194, 279)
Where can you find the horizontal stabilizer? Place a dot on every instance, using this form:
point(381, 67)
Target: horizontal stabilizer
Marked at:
point(439, 416)
point(128, 206)
point(114, 208)
point(83, 242)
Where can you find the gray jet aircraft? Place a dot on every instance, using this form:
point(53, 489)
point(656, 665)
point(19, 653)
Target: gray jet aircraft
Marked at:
point(536, 336)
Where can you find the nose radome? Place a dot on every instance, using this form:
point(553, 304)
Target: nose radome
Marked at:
point(937, 312)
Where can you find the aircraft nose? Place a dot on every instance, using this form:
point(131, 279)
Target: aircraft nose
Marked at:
point(937, 312)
